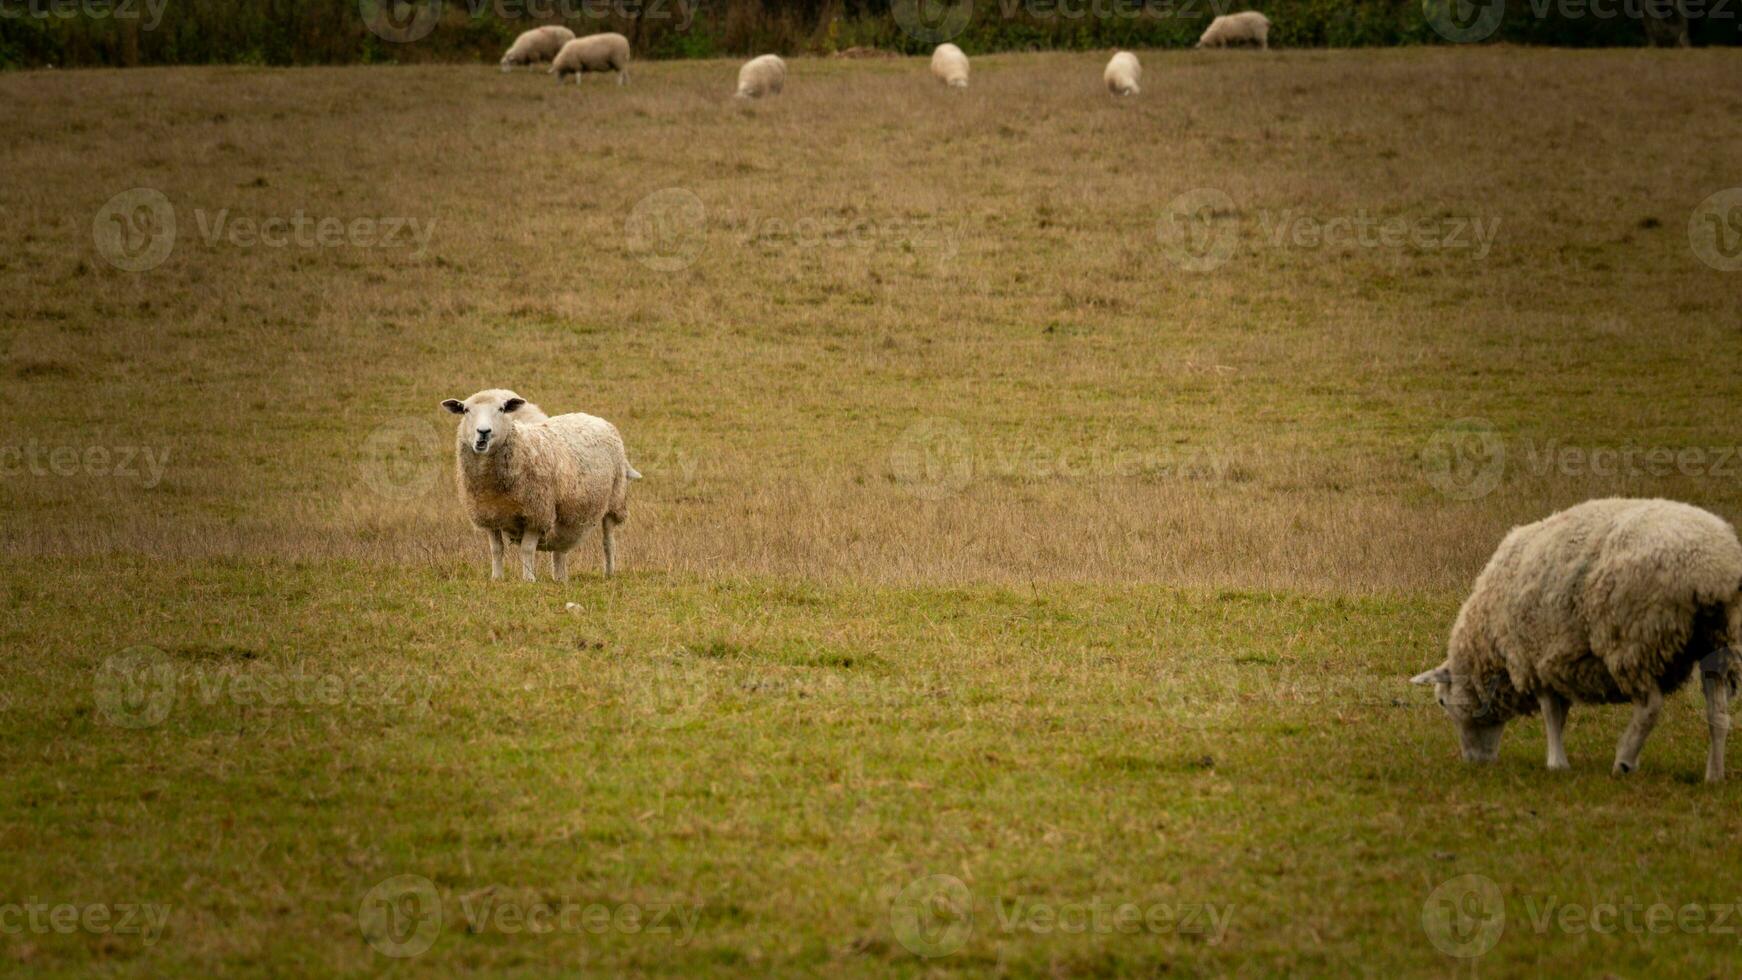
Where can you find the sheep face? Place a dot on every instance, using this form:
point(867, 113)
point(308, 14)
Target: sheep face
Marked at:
point(1480, 722)
point(485, 417)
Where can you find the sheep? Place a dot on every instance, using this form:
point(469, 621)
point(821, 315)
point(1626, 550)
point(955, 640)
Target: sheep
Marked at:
point(1610, 601)
point(761, 76)
point(539, 482)
point(950, 66)
point(595, 52)
point(1122, 74)
point(1246, 27)
point(536, 45)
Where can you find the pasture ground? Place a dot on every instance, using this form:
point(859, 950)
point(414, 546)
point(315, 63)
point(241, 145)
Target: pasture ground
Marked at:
point(1047, 497)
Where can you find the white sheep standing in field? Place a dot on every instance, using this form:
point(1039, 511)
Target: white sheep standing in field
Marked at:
point(1246, 27)
point(1122, 74)
point(539, 482)
point(1610, 601)
point(536, 45)
point(950, 66)
point(761, 76)
point(595, 52)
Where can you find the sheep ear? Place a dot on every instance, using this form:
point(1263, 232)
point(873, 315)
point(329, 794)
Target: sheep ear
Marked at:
point(455, 406)
point(512, 404)
point(1439, 675)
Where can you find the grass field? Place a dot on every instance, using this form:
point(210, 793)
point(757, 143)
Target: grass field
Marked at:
point(1047, 498)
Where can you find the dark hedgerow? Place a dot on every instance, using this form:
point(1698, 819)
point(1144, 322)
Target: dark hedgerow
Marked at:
point(37, 33)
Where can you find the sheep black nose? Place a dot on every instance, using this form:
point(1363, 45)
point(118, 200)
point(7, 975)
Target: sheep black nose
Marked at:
point(483, 433)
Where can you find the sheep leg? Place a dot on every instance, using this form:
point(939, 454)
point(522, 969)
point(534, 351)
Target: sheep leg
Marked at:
point(1633, 739)
point(1554, 717)
point(1717, 690)
point(495, 537)
point(529, 555)
point(559, 566)
point(605, 527)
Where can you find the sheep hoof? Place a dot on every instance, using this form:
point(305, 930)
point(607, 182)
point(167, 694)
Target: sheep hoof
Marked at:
point(1623, 768)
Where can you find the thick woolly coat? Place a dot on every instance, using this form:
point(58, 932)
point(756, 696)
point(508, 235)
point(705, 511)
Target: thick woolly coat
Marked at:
point(761, 76)
point(950, 66)
point(1123, 74)
point(1246, 27)
point(595, 52)
point(538, 44)
point(559, 477)
point(1600, 603)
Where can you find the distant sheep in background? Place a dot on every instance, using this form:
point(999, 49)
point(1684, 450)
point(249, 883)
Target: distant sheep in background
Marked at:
point(1246, 27)
point(595, 52)
point(1122, 74)
point(1609, 601)
point(537, 45)
point(761, 76)
point(539, 482)
point(950, 66)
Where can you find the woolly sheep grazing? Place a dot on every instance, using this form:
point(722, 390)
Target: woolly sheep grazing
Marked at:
point(539, 482)
point(595, 52)
point(1246, 27)
point(761, 76)
point(1609, 601)
point(950, 66)
point(536, 45)
point(1122, 74)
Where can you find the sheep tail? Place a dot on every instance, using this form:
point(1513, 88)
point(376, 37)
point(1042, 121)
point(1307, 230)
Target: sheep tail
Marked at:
point(634, 474)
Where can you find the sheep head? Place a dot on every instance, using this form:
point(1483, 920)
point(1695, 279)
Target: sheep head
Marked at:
point(485, 418)
point(1476, 712)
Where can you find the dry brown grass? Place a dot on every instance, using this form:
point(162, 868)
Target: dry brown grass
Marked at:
point(1122, 419)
